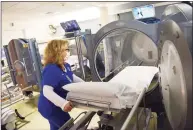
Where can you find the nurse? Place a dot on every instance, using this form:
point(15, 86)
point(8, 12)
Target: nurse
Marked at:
point(56, 74)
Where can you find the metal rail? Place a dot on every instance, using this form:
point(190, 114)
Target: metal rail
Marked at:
point(133, 110)
point(90, 100)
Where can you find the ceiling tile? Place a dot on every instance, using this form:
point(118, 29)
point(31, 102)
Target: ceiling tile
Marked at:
point(6, 5)
point(21, 11)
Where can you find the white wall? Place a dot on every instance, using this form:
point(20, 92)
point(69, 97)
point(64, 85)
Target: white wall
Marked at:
point(90, 24)
point(43, 35)
point(42, 32)
point(11, 32)
point(7, 35)
point(39, 28)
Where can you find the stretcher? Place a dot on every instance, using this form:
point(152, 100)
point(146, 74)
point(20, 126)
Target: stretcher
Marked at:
point(122, 94)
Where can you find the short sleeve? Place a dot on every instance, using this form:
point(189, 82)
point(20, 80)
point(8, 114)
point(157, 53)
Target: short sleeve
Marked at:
point(51, 76)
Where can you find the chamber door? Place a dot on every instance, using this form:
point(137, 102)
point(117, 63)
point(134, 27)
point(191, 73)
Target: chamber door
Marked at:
point(175, 75)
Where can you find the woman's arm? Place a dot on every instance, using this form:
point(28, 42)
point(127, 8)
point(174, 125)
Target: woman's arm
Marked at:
point(48, 92)
point(76, 79)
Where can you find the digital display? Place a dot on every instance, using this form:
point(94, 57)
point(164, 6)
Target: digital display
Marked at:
point(142, 12)
point(70, 26)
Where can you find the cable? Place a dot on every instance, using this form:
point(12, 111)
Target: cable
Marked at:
point(18, 115)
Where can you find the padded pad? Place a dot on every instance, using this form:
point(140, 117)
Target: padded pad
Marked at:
point(103, 91)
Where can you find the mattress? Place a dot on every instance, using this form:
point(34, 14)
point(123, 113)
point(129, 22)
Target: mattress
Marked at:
point(120, 92)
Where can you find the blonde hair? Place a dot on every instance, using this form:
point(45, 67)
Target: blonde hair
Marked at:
point(53, 52)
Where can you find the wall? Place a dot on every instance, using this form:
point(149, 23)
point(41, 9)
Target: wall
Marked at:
point(90, 24)
point(12, 34)
point(94, 24)
point(39, 28)
point(41, 31)
point(90, 20)
point(43, 35)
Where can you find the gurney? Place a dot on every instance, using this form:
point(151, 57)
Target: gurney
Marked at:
point(122, 94)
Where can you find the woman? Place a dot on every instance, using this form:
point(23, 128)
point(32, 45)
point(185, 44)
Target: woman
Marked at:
point(56, 74)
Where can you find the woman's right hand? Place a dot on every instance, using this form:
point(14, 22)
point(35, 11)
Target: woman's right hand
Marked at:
point(68, 107)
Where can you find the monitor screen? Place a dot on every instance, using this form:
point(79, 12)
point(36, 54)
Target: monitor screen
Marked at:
point(70, 26)
point(143, 12)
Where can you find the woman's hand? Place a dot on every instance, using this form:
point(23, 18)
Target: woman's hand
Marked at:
point(68, 107)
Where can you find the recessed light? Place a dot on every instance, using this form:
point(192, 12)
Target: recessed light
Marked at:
point(62, 4)
point(49, 12)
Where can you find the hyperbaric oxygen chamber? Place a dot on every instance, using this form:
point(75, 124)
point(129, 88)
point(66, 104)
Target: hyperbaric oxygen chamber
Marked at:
point(167, 45)
point(144, 48)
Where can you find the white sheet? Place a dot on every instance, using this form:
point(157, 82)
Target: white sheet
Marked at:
point(136, 77)
point(103, 91)
point(122, 91)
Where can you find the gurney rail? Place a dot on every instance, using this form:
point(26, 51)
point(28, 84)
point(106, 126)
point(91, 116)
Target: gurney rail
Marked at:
point(74, 99)
point(133, 110)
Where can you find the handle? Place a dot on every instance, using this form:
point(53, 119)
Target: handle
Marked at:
point(34, 66)
point(25, 67)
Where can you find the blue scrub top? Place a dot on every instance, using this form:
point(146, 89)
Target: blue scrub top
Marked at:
point(54, 76)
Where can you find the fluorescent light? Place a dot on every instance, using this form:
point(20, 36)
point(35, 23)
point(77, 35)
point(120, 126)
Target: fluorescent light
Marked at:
point(52, 13)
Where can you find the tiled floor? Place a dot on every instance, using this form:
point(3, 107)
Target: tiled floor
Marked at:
point(34, 121)
point(37, 122)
